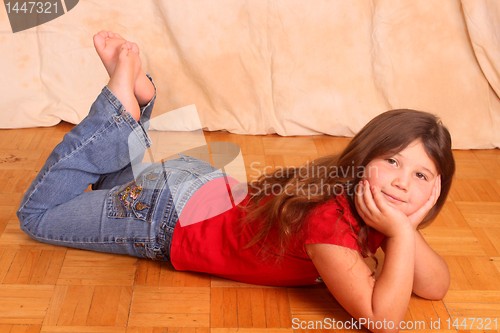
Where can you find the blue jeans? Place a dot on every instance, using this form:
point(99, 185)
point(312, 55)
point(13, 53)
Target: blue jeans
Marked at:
point(123, 214)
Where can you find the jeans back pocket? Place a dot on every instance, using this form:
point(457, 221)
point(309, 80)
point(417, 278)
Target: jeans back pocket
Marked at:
point(137, 198)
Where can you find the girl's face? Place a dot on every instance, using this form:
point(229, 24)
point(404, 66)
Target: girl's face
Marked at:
point(406, 179)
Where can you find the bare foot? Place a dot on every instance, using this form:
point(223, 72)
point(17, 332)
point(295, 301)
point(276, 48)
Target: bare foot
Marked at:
point(124, 76)
point(108, 46)
point(144, 90)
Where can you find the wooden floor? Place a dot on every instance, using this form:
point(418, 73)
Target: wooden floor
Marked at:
point(54, 289)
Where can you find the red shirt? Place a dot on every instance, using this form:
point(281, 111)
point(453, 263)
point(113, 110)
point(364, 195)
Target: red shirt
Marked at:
point(217, 245)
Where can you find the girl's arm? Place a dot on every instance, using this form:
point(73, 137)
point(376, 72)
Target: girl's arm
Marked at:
point(432, 277)
point(379, 305)
point(382, 302)
point(410, 264)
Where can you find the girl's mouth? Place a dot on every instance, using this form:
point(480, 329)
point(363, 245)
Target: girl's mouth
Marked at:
point(393, 198)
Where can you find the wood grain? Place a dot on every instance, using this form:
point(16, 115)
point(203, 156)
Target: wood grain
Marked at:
point(53, 289)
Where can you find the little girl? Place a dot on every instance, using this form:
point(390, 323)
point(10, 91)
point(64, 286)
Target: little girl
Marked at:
point(392, 179)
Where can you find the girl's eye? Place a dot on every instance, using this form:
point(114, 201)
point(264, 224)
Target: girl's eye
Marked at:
point(421, 176)
point(392, 161)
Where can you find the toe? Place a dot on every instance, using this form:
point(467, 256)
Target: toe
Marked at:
point(99, 41)
point(129, 46)
point(116, 35)
point(134, 48)
point(103, 34)
point(124, 49)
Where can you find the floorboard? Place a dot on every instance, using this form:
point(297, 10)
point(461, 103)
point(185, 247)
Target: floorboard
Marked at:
point(53, 289)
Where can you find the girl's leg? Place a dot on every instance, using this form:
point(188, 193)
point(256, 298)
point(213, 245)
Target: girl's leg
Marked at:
point(107, 45)
point(127, 173)
point(56, 209)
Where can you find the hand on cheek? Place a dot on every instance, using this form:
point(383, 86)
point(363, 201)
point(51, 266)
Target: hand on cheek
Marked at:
point(417, 217)
point(377, 213)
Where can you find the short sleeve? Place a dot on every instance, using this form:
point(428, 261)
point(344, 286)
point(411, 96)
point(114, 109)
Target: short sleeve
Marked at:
point(375, 240)
point(332, 223)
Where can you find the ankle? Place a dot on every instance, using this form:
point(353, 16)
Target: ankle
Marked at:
point(144, 90)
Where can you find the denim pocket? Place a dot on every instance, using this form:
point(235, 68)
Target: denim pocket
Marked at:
point(137, 198)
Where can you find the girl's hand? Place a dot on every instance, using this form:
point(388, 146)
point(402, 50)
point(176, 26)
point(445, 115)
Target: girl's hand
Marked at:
point(419, 215)
point(377, 213)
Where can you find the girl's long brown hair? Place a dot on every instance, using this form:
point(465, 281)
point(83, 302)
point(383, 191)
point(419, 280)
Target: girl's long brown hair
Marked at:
point(283, 198)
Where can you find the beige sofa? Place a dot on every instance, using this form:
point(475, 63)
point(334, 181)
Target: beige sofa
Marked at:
point(290, 67)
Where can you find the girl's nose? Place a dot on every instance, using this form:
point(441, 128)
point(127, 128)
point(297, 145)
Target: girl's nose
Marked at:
point(401, 181)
